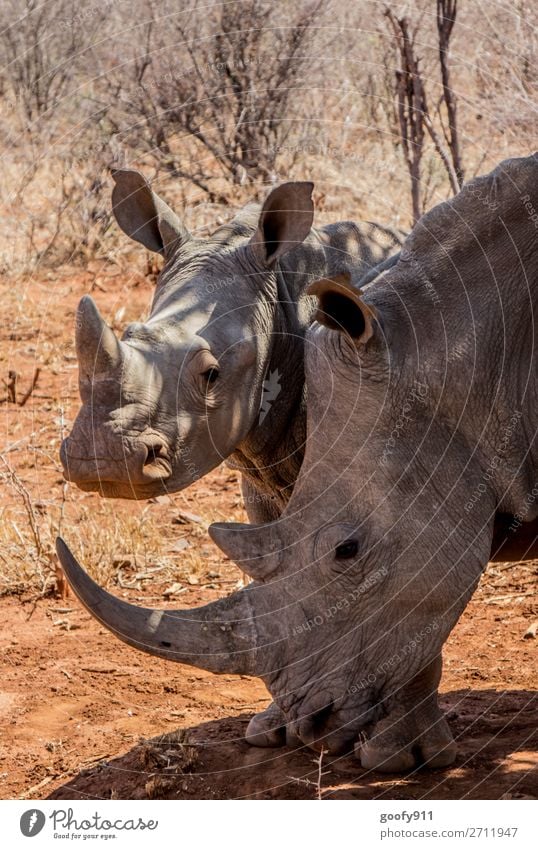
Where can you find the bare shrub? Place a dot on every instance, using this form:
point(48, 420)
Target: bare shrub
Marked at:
point(217, 100)
point(59, 205)
point(40, 44)
point(446, 18)
point(229, 78)
point(52, 165)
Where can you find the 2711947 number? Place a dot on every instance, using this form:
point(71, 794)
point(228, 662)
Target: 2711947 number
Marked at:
point(491, 832)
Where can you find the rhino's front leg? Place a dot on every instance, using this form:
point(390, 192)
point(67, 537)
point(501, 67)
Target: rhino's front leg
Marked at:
point(415, 732)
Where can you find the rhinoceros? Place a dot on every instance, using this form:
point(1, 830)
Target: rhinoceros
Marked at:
point(216, 372)
point(421, 427)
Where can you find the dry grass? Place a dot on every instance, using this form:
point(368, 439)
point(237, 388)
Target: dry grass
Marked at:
point(126, 545)
point(339, 124)
point(123, 546)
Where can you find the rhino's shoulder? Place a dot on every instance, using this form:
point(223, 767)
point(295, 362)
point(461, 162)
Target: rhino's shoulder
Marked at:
point(484, 204)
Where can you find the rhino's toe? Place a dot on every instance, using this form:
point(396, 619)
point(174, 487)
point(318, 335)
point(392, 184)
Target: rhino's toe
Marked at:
point(437, 746)
point(267, 729)
point(402, 743)
point(384, 759)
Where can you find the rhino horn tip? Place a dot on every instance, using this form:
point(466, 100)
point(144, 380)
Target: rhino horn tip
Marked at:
point(87, 303)
point(224, 533)
point(98, 348)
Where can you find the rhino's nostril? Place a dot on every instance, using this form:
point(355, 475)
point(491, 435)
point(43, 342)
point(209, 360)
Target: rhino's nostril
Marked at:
point(156, 462)
point(154, 452)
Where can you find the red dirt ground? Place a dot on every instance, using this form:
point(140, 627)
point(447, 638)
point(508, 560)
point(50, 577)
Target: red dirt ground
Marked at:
point(83, 716)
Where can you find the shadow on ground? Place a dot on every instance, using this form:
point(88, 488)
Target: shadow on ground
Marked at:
point(497, 734)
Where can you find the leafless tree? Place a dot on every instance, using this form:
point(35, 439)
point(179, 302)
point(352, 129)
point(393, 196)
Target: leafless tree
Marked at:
point(412, 105)
point(40, 43)
point(229, 80)
point(446, 18)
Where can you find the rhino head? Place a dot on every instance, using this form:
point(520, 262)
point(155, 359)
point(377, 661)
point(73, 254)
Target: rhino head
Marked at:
point(169, 401)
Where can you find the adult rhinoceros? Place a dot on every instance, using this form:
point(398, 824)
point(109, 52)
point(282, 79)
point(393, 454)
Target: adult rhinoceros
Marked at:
point(390, 524)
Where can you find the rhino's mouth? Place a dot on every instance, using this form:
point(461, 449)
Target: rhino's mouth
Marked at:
point(140, 472)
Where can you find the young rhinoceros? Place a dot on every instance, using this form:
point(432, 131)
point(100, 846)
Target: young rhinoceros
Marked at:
point(422, 426)
point(183, 391)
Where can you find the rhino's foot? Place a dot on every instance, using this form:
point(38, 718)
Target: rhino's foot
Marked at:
point(267, 729)
point(401, 743)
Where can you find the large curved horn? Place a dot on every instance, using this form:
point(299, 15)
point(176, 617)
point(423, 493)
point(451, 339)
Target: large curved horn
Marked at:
point(98, 349)
point(219, 637)
point(255, 548)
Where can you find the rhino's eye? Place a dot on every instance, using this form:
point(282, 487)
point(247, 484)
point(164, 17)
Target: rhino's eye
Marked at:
point(210, 376)
point(348, 548)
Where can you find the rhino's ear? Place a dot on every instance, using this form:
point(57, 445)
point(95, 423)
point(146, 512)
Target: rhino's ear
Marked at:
point(285, 221)
point(143, 216)
point(341, 307)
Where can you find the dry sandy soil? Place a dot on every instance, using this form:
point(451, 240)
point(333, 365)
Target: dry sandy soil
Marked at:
point(83, 716)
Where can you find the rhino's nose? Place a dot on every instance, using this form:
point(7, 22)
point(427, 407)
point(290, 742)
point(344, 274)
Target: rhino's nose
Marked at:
point(139, 463)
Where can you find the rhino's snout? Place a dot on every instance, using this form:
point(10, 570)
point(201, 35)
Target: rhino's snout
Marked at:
point(142, 463)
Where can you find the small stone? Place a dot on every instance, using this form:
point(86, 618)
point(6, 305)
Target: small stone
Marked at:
point(160, 499)
point(122, 560)
point(173, 589)
point(184, 517)
point(532, 631)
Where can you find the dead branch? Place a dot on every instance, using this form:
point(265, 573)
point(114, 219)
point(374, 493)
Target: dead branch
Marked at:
point(228, 81)
point(455, 184)
point(31, 388)
point(11, 386)
point(413, 114)
point(411, 105)
point(20, 488)
point(446, 18)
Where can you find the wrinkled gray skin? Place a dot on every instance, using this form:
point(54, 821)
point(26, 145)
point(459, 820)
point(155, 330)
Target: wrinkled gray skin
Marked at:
point(183, 391)
point(359, 582)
